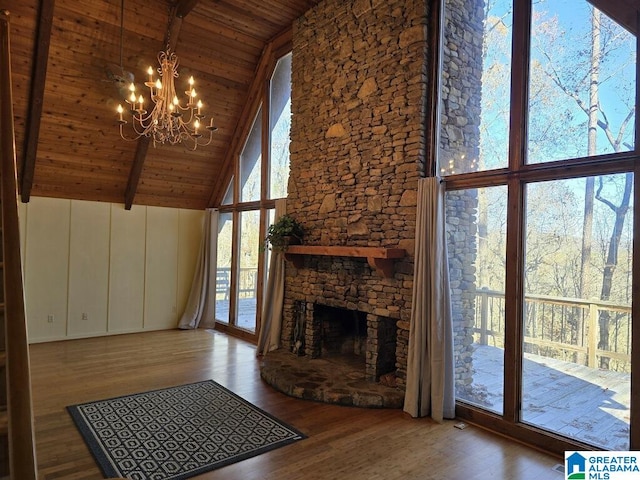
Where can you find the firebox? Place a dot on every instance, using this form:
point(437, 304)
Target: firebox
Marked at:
point(354, 337)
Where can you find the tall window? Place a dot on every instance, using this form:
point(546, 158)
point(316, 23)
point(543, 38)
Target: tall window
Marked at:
point(279, 126)
point(537, 146)
point(261, 176)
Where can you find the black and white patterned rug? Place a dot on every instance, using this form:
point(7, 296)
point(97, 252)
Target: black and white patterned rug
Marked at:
point(178, 432)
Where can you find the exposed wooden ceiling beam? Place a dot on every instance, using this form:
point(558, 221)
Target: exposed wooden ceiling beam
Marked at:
point(39, 76)
point(180, 10)
point(136, 171)
point(184, 7)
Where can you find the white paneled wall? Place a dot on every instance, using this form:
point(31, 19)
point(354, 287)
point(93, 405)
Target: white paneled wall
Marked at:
point(126, 275)
point(95, 268)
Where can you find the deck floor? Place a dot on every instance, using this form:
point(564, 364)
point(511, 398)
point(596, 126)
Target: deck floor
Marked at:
point(587, 404)
point(246, 313)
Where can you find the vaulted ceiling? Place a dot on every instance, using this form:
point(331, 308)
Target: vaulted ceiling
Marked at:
point(64, 54)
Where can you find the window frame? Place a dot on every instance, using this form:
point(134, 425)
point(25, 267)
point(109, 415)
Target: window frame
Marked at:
point(264, 205)
point(516, 176)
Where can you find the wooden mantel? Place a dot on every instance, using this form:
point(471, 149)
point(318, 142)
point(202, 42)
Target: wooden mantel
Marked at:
point(379, 258)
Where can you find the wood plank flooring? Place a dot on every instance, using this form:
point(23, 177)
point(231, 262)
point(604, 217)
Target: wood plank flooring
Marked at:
point(344, 442)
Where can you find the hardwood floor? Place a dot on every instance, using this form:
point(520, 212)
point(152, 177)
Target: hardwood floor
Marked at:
point(343, 441)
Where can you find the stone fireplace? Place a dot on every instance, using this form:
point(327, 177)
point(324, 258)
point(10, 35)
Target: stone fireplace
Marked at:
point(357, 152)
point(337, 355)
point(358, 148)
point(359, 78)
point(343, 338)
point(365, 341)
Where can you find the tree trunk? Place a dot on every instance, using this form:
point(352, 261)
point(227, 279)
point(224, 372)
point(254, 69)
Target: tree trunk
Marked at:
point(587, 222)
point(610, 265)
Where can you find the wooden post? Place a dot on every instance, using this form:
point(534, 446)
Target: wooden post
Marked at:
point(22, 453)
point(592, 335)
point(484, 314)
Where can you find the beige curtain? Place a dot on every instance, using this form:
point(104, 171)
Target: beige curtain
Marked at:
point(271, 324)
point(200, 309)
point(430, 368)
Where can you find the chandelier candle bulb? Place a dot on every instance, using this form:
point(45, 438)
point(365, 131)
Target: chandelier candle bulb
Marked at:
point(150, 72)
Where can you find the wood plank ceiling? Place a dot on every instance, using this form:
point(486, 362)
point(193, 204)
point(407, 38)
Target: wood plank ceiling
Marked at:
point(62, 53)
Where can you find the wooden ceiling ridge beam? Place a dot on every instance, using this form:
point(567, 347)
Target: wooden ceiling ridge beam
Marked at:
point(36, 97)
point(178, 12)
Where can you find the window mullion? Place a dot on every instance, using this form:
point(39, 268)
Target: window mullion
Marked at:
point(515, 211)
point(519, 84)
point(634, 420)
point(514, 305)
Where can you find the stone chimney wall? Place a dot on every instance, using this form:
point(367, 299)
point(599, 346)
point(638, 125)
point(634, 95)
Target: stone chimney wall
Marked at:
point(357, 152)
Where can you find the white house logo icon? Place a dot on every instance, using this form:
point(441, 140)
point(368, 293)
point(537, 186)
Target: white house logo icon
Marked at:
point(575, 467)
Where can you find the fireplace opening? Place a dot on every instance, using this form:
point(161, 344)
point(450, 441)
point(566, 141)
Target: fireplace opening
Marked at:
point(343, 333)
point(364, 341)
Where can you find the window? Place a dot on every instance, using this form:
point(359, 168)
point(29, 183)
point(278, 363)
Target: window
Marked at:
point(279, 126)
point(251, 162)
point(261, 176)
point(537, 146)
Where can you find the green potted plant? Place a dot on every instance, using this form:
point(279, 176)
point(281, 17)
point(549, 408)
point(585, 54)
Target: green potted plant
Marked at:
point(284, 232)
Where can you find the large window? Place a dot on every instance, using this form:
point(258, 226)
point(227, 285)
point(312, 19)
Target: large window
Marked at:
point(279, 126)
point(537, 146)
point(261, 176)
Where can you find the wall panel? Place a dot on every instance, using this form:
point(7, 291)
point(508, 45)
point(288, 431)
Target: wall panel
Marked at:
point(46, 268)
point(128, 270)
point(88, 268)
point(160, 309)
point(126, 273)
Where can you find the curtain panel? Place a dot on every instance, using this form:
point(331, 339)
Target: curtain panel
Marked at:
point(271, 319)
point(430, 366)
point(201, 305)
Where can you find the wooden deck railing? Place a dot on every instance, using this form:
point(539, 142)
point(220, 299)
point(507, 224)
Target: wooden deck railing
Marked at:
point(22, 458)
point(563, 328)
point(247, 282)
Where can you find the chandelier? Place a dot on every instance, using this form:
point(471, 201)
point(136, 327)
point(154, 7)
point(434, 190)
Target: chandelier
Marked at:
point(169, 121)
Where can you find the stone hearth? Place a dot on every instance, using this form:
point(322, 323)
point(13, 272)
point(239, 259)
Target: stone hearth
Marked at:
point(325, 380)
point(346, 357)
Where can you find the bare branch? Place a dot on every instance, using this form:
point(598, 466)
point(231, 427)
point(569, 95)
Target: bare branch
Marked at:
point(602, 199)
